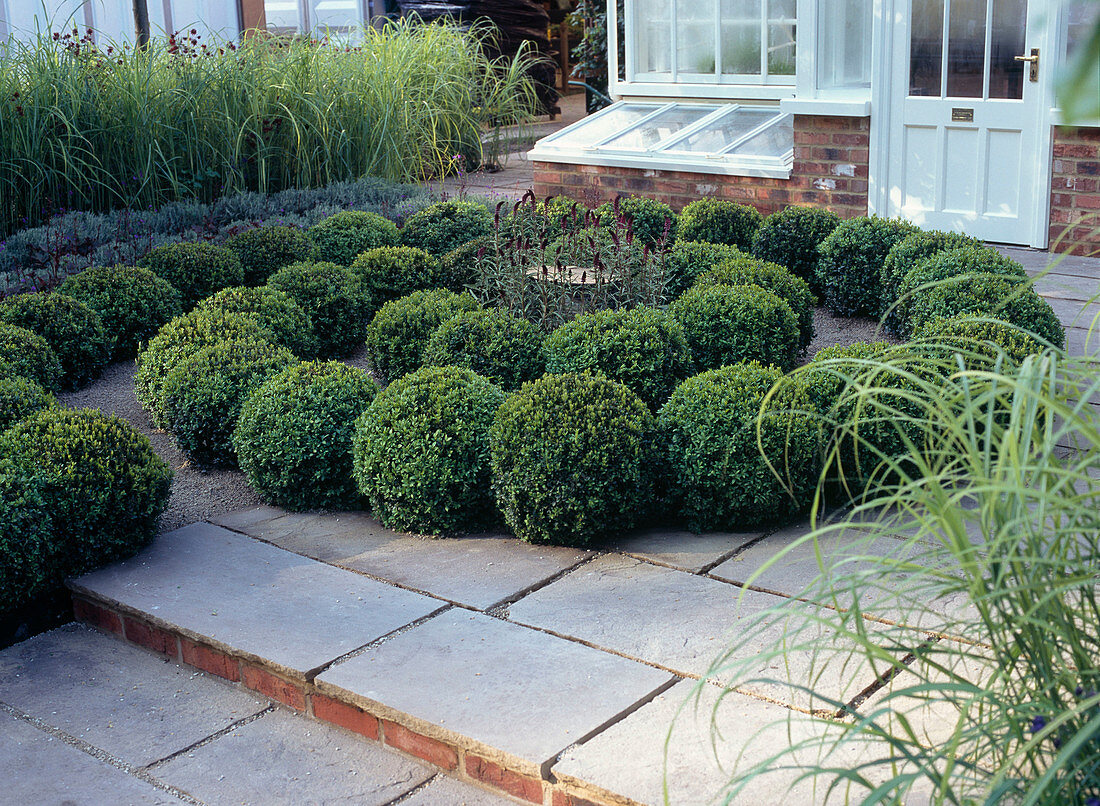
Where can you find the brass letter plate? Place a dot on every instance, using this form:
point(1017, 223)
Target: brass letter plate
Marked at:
point(962, 114)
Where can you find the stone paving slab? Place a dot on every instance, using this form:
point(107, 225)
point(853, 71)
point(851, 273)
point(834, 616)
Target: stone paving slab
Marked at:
point(72, 777)
point(115, 696)
point(638, 756)
point(685, 622)
point(684, 550)
point(504, 688)
point(478, 571)
point(245, 597)
point(282, 758)
point(444, 791)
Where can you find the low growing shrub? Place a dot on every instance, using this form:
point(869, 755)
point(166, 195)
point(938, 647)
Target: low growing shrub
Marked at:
point(719, 221)
point(132, 302)
point(979, 339)
point(650, 220)
point(688, 260)
point(791, 237)
point(264, 250)
point(196, 269)
point(642, 348)
point(444, 226)
point(73, 331)
point(21, 397)
point(732, 465)
point(731, 324)
point(421, 450)
point(273, 310)
point(849, 268)
point(910, 252)
point(745, 270)
point(391, 272)
point(105, 484)
point(202, 395)
point(334, 299)
point(23, 352)
point(572, 456)
point(342, 237)
point(293, 438)
point(459, 268)
point(401, 329)
point(30, 559)
point(491, 342)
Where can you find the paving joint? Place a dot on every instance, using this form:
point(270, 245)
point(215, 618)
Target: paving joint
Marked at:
point(240, 723)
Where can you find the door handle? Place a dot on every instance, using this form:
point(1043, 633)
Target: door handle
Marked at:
point(1033, 60)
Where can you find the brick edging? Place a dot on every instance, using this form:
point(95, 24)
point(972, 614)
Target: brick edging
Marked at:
point(303, 696)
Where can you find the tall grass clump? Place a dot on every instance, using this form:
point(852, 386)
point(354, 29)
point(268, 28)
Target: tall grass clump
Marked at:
point(95, 129)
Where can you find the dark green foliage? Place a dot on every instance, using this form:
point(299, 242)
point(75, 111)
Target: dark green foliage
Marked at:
point(23, 352)
point(745, 270)
point(824, 378)
point(391, 272)
point(651, 220)
point(273, 310)
point(944, 265)
point(730, 324)
point(202, 395)
point(459, 267)
point(132, 302)
point(791, 237)
point(642, 348)
point(446, 225)
point(182, 337)
point(73, 330)
point(400, 331)
point(30, 560)
point(911, 251)
point(421, 451)
point(195, 269)
point(293, 438)
point(572, 457)
point(105, 484)
point(21, 397)
point(849, 268)
point(334, 299)
point(503, 348)
point(719, 221)
point(264, 250)
point(687, 260)
point(731, 465)
point(1007, 298)
point(980, 340)
point(343, 237)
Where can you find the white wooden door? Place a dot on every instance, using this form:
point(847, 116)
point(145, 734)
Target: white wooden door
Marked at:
point(965, 137)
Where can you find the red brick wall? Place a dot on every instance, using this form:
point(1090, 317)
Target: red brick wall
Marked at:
point(1075, 191)
point(830, 170)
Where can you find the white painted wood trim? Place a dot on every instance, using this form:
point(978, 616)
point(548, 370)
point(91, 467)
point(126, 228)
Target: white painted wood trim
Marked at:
point(658, 162)
point(853, 108)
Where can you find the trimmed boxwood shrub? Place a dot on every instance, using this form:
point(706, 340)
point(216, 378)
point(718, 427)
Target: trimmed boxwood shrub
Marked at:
point(441, 227)
point(21, 397)
point(195, 269)
point(334, 299)
point(105, 484)
point(343, 237)
point(728, 324)
point(23, 352)
point(493, 343)
point(688, 260)
point(719, 221)
point(264, 250)
point(29, 554)
point(791, 237)
point(73, 330)
point(460, 267)
point(182, 337)
point(1009, 298)
point(132, 302)
point(391, 272)
point(849, 268)
point(911, 251)
point(273, 310)
point(421, 451)
point(745, 270)
point(944, 265)
point(651, 220)
point(716, 438)
point(293, 438)
point(202, 395)
point(400, 331)
point(571, 458)
point(980, 339)
point(644, 349)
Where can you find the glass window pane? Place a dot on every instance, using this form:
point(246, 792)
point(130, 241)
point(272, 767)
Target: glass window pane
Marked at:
point(740, 31)
point(1006, 75)
point(695, 36)
point(334, 14)
point(592, 130)
point(781, 27)
point(844, 45)
point(653, 26)
point(1081, 17)
point(660, 127)
point(774, 141)
point(282, 15)
point(926, 48)
point(719, 134)
point(966, 49)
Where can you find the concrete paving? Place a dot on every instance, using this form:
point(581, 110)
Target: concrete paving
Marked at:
point(684, 550)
